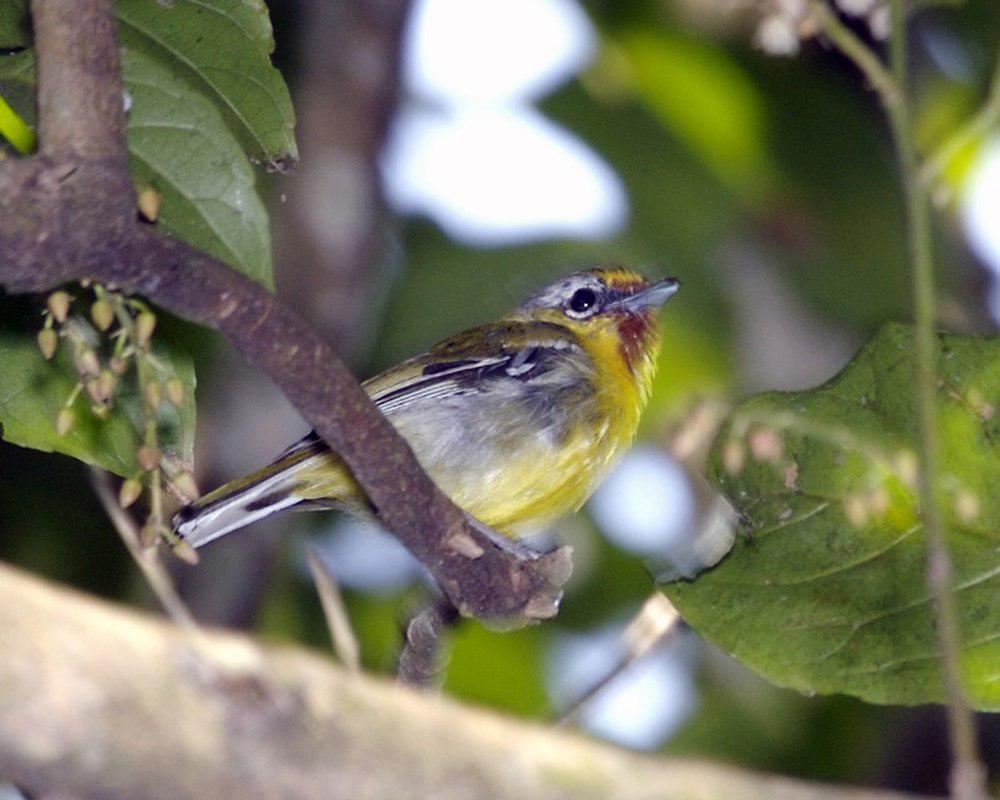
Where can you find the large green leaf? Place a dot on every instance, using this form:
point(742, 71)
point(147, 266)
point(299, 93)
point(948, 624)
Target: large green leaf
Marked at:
point(223, 49)
point(32, 390)
point(180, 145)
point(828, 593)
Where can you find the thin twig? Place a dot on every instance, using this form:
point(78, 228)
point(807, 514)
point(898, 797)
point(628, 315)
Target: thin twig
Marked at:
point(147, 558)
point(345, 643)
point(655, 624)
point(855, 49)
point(968, 775)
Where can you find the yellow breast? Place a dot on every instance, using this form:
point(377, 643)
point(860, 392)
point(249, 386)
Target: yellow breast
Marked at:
point(545, 485)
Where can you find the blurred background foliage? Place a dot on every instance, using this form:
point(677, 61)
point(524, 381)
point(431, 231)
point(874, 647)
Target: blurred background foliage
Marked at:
point(766, 184)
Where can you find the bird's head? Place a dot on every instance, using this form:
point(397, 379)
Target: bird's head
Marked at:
point(612, 308)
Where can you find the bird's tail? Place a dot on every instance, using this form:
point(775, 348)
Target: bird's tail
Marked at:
point(246, 500)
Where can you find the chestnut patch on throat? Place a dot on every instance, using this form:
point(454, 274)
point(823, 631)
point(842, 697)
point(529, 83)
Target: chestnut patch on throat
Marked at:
point(634, 331)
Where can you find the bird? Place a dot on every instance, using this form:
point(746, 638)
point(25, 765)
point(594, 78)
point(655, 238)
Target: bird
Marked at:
point(516, 421)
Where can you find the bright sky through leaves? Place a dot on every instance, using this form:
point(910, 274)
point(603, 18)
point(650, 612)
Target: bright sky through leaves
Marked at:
point(469, 152)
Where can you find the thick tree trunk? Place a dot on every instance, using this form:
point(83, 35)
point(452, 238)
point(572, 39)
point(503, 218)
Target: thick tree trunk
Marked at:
point(98, 701)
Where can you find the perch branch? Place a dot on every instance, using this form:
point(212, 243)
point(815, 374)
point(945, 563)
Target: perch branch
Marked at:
point(99, 701)
point(146, 558)
point(68, 214)
point(338, 622)
point(854, 48)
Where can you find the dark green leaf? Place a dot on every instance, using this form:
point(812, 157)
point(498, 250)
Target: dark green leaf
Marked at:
point(181, 147)
point(828, 594)
point(222, 49)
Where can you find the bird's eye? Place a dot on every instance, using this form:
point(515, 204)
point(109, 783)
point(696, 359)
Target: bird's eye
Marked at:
point(582, 301)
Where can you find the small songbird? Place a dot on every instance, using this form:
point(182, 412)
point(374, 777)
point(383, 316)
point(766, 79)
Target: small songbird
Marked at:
point(516, 421)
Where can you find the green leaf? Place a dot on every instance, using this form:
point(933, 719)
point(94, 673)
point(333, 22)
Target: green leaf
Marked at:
point(179, 145)
point(828, 593)
point(33, 390)
point(478, 656)
point(706, 99)
point(15, 130)
point(222, 49)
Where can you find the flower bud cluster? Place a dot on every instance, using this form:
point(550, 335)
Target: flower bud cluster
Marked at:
point(112, 347)
point(875, 13)
point(785, 24)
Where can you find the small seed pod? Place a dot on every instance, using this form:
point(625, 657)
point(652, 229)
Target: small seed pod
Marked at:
point(129, 492)
point(148, 200)
point(145, 323)
point(48, 341)
point(148, 457)
point(776, 35)
point(183, 483)
point(149, 535)
point(175, 391)
point(85, 360)
point(880, 24)
point(107, 382)
point(64, 421)
point(967, 505)
point(103, 314)
point(93, 390)
point(58, 304)
point(153, 394)
point(118, 365)
point(186, 552)
point(101, 388)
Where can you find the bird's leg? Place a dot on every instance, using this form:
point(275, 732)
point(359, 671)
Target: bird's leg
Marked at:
point(421, 664)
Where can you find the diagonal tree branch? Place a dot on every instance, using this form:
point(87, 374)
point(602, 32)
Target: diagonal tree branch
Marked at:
point(68, 214)
point(99, 702)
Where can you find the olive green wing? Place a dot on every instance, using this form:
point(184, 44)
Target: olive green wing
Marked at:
point(471, 361)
